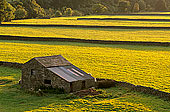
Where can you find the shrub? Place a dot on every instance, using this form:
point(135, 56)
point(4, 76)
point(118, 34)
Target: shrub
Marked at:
point(136, 7)
point(68, 12)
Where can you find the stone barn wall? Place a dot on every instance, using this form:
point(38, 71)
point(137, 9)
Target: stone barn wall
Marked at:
point(90, 83)
point(32, 81)
point(78, 84)
point(56, 81)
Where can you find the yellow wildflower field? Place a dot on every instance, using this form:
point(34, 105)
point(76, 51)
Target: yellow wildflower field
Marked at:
point(139, 65)
point(79, 105)
point(74, 21)
point(91, 34)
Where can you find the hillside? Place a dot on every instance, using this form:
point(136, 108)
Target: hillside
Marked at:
point(20, 9)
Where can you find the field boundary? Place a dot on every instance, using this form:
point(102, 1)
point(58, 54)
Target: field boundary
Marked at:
point(83, 26)
point(112, 83)
point(125, 19)
point(137, 88)
point(131, 14)
point(11, 64)
point(24, 38)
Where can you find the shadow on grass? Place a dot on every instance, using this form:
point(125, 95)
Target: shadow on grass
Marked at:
point(16, 100)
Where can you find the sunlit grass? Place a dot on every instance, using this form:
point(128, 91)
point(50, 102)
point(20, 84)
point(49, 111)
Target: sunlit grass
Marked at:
point(91, 34)
point(74, 21)
point(139, 65)
point(94, 105)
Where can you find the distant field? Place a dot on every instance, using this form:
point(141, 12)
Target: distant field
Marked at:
point(139, 65)
point(153, 13)
point(91, 34)
point(74, 21)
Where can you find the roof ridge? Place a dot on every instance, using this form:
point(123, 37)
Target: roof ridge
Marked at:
point(49, 56)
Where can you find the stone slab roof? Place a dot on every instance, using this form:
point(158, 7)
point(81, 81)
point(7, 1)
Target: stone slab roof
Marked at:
point(53, 61)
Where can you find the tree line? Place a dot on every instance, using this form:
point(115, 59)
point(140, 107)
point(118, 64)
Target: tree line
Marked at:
point(19, 9)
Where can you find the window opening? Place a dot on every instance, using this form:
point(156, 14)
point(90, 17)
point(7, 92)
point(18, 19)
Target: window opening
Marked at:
point(47, 81)
point(33, 72)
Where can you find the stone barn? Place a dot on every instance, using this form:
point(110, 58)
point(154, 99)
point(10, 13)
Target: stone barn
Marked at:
point(56, 72)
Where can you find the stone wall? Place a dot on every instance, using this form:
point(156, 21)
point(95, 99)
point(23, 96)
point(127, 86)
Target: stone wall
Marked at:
point(11, 64)
point(8, 37)
point(138, 88)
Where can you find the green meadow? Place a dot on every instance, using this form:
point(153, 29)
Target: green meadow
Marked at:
point(14, 99)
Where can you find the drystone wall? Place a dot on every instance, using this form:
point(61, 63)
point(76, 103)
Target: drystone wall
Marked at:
point(11, 64)
point(138, 88)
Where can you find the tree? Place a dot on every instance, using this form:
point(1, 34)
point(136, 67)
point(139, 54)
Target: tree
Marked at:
point(3, 6)
point(68, 12)
point(6, 11)
point(136, 7)
point(34, 10)
point(99, 9)
point(124, 6)
point(9, 12)
point(50, 13)
point(142, 5)
point(20, 12)
point(160, 5)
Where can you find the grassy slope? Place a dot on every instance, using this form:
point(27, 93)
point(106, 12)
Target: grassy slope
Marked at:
point(139, 65)
point(15, 100)
point(91, 34)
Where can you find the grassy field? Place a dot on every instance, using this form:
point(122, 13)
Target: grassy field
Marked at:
point(74, 21)
point(139, 65)
point(91, 34)
point(13, 99)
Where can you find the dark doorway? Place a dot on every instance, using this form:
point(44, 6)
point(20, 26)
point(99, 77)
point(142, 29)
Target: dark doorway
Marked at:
point(71, 87)
point(83, 85)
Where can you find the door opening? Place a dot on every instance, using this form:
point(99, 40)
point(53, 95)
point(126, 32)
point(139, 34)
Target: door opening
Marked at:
point(83, 85)
point(71, 87)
